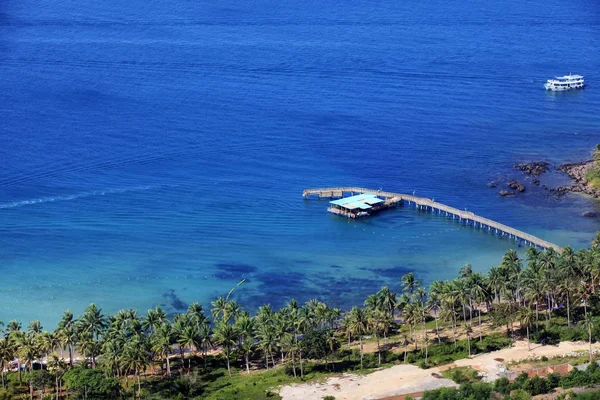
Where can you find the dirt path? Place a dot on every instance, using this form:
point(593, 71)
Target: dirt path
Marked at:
point(403, 379)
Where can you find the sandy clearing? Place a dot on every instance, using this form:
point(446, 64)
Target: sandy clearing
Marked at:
point(402, 379)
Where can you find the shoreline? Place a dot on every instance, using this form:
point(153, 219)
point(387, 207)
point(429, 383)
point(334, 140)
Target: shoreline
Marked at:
point(577, 172)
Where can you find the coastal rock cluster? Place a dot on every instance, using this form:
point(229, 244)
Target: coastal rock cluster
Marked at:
point(535, 168)
point(577, 172)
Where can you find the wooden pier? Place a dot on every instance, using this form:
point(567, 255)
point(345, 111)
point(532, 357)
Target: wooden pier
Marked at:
point(424, 204)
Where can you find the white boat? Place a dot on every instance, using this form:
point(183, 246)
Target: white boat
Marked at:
point(567, 82)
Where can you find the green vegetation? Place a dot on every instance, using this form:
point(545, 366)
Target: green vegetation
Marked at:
point(522, 388)
point(593, 175)
point(230, 353)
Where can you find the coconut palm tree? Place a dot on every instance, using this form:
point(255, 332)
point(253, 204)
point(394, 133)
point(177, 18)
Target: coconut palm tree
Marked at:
point(34, 328)
point(588, 324)
point(92, 321)
point(495, 280)
point(410, 283)
point(134, 360)
point(111, 357)
point(525, 316)
point(226, 336)
point(204, 336)
point(57, 366)
point(154, 318)
point(387, 300)
point(478, 294)
point(358, 326)
point(219, 307)
point(7, 354)
point(68, 337)
point(465, 272)
point(291, 348)
point(188, 337)
point(162, 343)
point(376, 324)
point(267, 342)
point(246, 329)
point(196, 313)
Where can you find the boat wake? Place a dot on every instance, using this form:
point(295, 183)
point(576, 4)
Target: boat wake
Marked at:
point(76, 196)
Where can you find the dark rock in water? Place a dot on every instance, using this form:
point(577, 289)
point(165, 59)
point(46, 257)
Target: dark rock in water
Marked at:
point(536, 182)
point(534, 168)
point(519, 187)
point(591, 214)
point(506, 193)
point(492, 184)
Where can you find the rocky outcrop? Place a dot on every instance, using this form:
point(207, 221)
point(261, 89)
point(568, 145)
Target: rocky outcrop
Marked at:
point(506, 193)
point(535, 168)
point(577, 172)
point(591, 214)
point(519, 187)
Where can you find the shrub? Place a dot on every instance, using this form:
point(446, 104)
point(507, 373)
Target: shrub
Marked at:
point(537, 385)
point(493, 342)
point(93, 382)
point(476, 391)
point(329, 398)
point(502, 385)
point(462, 375)
point(520, 394)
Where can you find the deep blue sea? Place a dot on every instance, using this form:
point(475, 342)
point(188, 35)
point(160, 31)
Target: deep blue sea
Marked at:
point(154, 152)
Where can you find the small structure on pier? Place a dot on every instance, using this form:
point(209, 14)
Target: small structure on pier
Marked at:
point(349, 207)
point(357, 206)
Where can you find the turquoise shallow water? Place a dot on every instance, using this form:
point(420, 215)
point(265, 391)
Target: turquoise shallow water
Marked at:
point(155, 153)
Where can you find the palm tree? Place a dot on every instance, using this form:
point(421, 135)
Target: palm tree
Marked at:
point(410, 283)
point(7, 354)
point(588, 323)
point(266, 336)
point(112, 357)
point(68, 336)
point(68, 333)
point(291, 348)
point(180, 323)
point(495, 280)
point(246, 329)
point(219, 307)
point(387, 300)
point(196, 313)
point(154, 318)
point(134, 360)
point(478, 293)
point(204, 336)
point(525, 316)
point(226, 336)
point(188, 337)
point(58, 366)
point(162, 342)
point(465, 272)
point(88, 346)
point(596, 241)
point(376, 324)
point(92, 321)
point(34, 328)
point(13, 326)
point(358, 327)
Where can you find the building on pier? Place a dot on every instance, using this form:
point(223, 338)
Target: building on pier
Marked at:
point(357, 206)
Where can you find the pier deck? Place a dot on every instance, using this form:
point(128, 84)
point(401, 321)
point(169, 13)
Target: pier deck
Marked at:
point(425, 204)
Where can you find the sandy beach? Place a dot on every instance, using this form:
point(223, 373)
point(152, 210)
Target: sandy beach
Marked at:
point(403, 379)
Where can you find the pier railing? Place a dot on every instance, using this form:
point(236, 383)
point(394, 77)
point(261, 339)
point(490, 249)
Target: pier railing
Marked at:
point(429, 204)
